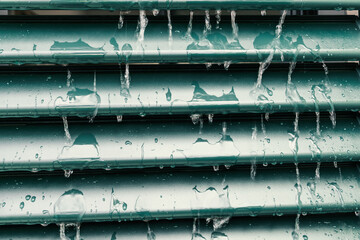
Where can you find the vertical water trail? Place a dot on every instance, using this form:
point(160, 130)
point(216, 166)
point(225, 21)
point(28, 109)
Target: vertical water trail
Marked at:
point(211, 117)
point(293, 143)
point(91, 118)
point(218, 18)
point(274, 45)
point(77, 236)
point(263, 128)
point(295, 233)
point(66, 130)
point(227, 65)
point(333, 118)
point(143, 22)
point(317, 171)
point(325, 92)
point(121, 21)
point(68, 78)
point(318, 130)
point(189, 29)
point(150, 234)
point(170, 27)
point(224, 130)
point(253, 160)
point(62, 231)
point(267, 116)
point(127, 76)
point(196, 235)
point(291, 70)
point(296, 122)
point(234, 25)
point(94, 87)
point(263, 12)
point(207, 28)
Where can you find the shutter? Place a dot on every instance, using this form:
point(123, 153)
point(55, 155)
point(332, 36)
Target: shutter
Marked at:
point(167, 127)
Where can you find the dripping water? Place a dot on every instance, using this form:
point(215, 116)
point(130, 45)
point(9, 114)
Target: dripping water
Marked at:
point(318, 131)
point(150, 234)
point(267, 116)
point(66, 130)
point(91, 118)
point(224, 129)
point(62, 231)
point(143, 22)
point(218, 18)
point(119, 118)
point(253, 161)
point(295, 233)
point(189, 29)
point(170, 27)
point(234, 25)
point(155, 12)
point(294, 147)
point(317, 171)
point(275, 45)
point(211, 118)
point(121, 20)
point(69, 80)
point(67, 173)
point(296, 122)
point(291, 70)
point(127, 76)
point(227, 65)
point(207, 28)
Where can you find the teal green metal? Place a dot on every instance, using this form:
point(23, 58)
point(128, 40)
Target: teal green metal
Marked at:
point(175, 90)
point(170, 195)
point(326, 227)
point(163, 144)
point(98, 40)
point(180, 4)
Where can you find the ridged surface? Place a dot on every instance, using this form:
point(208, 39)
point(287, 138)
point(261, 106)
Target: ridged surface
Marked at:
point(148, 196)
point(98, 40)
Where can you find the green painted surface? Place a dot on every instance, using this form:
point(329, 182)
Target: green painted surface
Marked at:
point(169, 195)
point(175, 90)
point(157, 144)
point(327, 227)
point(98, 40)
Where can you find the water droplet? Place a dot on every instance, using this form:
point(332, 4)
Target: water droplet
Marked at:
point(70, 206)
point(22, 204)
point(168, 95)
point(33, 199)
point(119, 118)
point(127, 142)
point(27, 198)
point(67, 173)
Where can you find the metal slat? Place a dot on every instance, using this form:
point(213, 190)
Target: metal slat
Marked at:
point(97, 40)
point(156, 90)
point(138, 196)
point(143, 144)
point(181, 4)
point(327, 227)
